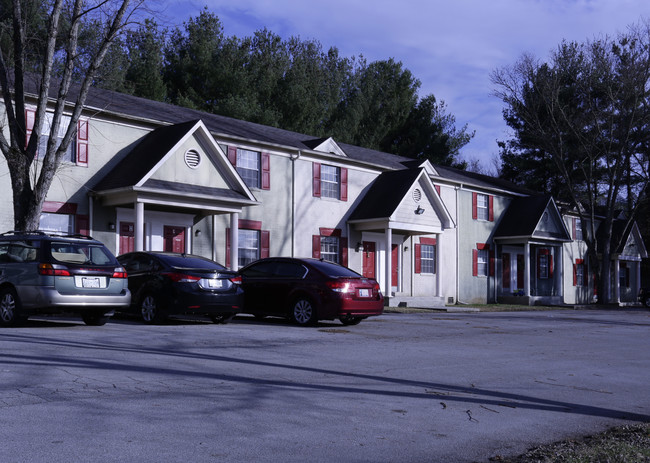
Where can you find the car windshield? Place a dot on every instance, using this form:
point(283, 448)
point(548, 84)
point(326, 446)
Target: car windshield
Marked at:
point(81, 253)
point(333, 270)
point(192, 262)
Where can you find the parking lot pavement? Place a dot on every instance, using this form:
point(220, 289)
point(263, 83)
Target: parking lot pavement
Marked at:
point(401, 387)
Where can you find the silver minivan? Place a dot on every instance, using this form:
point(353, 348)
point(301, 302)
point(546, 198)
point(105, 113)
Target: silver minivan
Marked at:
point(47, 273)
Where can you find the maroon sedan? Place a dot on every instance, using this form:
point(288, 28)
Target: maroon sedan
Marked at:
point(308, 290)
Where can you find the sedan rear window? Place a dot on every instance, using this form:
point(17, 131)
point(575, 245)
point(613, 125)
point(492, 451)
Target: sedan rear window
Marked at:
point(333, 270)
point(192, 262)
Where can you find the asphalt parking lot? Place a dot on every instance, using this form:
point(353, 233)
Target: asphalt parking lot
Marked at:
point(431, 387)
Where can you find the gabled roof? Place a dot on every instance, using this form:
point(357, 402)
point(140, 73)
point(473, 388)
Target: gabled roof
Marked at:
point(144, 157)
point(141, 170)
point(524, 216)
point(388, 191)
point(385, 194)
point(628, 235)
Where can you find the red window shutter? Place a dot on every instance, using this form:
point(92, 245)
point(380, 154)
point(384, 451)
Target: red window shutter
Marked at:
point(30, 117)
point(315, 246)
point(574, 220)
point(82, 142)
point(343, 245)
point(550, 265)
point(266, 171)
point(82, 224)
point(265, 239)
point(418, 258)
point(491, 208)
point(344, 184)
point(228, 247)
point(475, 262)
point(505, 270)
point(474, 206)
point(316, 179)
point(232, 155)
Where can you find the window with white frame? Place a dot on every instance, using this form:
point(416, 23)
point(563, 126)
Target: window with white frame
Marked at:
point(543, 265)
point(428, 258)
point(578, 229)
point(580, 273)
point(248, 167)
point(249, 246)
point(45, 136)
point(329, 248)
point(330, 181)
point(482, 261)
point(61, 223)
point(482, 207)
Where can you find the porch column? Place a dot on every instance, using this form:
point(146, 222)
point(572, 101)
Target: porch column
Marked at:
point(188, 241)
point(527, 269)
point(389, 255)
point(214, 238)
point(616, 281)
point(558, 272)
point(437, 264)
point(139, 226)
point(637, 281)
point(234, 240)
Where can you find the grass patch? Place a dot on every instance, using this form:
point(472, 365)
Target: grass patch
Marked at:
point(624, 444)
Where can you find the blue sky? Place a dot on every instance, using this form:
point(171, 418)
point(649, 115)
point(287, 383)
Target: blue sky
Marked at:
point(451, 46)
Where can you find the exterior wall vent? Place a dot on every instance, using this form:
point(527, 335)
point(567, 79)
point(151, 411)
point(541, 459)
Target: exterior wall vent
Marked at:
point(192, 159)
point(417, 195)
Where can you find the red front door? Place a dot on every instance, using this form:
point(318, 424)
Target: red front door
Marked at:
point(394, 265)
point(127, 237)
point(369, 256)
point(173, 239)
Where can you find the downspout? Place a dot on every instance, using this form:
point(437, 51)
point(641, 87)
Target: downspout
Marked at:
point(457, 246)
point(293, 200)
point(90, 215)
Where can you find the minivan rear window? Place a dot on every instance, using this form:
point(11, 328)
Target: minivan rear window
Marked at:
point(80, 253)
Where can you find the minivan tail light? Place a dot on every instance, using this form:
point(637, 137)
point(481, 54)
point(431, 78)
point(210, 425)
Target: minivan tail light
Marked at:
point(53, 270)
point(119, 272)
point(180, 277)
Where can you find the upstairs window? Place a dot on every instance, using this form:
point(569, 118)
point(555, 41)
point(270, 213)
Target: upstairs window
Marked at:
point(77, 151)
point(252, 166)
point(577, 229)
point(482, 207)
point(330, 181)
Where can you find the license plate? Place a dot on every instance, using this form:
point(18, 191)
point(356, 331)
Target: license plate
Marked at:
point(90, 282)
point(364, 293)
point(215, 283)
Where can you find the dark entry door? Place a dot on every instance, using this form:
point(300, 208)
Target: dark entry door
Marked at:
point(173, 239)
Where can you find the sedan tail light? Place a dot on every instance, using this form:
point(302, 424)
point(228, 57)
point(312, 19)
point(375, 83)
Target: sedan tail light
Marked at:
point(236, 280)
point(339, 286)
point(180, 277)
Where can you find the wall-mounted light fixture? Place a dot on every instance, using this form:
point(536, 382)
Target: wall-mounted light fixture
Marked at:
point(197, 233)
point(358, 247)
point(111, 226)
point(419, 210)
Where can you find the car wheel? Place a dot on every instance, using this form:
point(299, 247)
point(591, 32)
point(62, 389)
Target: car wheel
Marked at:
point(151, 310)
point(349, 320)
point(9, 307)
point(303, 312)
point(646, 301)
point(222, 319)
point(94, 320)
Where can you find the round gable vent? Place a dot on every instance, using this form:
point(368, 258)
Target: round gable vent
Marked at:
point(192, 159)
point(417, 195)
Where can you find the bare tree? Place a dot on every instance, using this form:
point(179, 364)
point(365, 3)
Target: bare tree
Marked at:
point(588, 111)
point(32, 58)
